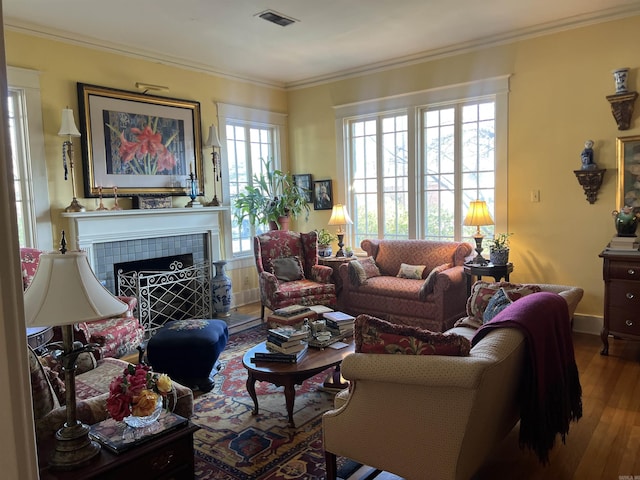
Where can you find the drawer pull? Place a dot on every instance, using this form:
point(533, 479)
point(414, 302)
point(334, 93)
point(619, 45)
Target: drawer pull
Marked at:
point(631, 271)
point(630, 296)
point(628, 323)
point(162, 461)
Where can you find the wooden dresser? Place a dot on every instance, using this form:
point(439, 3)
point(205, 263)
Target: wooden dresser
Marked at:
point(621, 274)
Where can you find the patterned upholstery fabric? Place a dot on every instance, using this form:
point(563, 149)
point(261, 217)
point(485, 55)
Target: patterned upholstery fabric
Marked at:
point(402, 300)
point(92, 390)
point(314, 289)
point(114, 336)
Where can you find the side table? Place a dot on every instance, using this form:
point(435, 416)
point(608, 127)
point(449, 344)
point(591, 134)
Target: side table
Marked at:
point(334, 263)
point(489, 270)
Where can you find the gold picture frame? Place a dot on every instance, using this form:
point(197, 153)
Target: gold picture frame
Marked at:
point(628, 162)
point(141, 144)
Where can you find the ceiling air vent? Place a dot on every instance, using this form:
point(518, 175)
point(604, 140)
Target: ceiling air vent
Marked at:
point(277, 18)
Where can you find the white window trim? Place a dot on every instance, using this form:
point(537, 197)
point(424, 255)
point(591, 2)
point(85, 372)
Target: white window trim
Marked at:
point(412, 102)
point(227, 112)
point(29, 81)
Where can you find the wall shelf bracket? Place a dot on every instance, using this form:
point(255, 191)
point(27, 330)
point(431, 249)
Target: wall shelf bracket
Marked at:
point(622, 108)
point(591, 180)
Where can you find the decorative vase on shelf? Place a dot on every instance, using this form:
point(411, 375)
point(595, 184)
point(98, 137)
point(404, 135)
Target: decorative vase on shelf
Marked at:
point(620, 76)
point(221, 290)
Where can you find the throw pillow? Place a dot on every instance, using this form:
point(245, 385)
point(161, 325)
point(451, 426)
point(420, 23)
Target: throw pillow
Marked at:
point(481, 293)
point(373, 335)
point(361, 270)
point(498, 302)
point(411, 271)
point(287, 269)
point(430, 281)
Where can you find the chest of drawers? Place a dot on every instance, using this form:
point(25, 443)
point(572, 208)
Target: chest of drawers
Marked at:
point(621, 274)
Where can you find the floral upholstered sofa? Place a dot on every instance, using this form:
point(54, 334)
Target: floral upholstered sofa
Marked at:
point(433, 300)
point(115, 337)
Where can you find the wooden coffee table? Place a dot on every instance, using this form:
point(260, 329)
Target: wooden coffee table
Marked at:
point(290, 374)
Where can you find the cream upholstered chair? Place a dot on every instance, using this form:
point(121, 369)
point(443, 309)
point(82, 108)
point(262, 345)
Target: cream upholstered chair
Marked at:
point(288, 270)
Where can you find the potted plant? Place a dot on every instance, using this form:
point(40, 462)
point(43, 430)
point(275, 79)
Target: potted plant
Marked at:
point(499, 249)
point(325, 238)
point(272, 199)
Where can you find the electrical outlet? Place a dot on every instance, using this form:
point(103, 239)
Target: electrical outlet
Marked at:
point(535, 196)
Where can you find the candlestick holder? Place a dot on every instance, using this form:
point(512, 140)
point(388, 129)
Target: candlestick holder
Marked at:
point(192, 190)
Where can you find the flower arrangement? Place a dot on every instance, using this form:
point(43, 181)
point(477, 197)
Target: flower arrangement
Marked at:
point(136, 392)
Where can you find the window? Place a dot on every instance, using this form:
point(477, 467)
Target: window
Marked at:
point(250, 136)
point(29, 168)
point(413, 171)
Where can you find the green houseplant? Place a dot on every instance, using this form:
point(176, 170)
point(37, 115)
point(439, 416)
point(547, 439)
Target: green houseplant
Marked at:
point(325, 238)
point(499, 249)
point(272, 199)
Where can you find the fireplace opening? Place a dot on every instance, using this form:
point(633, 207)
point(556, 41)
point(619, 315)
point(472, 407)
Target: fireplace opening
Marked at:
point(167, 288)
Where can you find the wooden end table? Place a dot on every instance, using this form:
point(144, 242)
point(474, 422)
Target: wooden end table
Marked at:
point(489, 270)
point(170, 455)
point(290, 374)
point(334, 263)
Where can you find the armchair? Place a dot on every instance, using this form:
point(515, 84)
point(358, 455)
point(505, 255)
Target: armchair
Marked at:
point(307, 283)
point(115, 337)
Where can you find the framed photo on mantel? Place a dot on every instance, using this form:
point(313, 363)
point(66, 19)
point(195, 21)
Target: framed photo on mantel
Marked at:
point(141, 144)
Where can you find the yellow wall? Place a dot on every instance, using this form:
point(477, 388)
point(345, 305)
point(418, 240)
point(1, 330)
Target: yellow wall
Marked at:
point(556, 102)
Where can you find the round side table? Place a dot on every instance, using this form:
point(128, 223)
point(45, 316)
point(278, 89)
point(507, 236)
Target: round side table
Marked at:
point(498, 272)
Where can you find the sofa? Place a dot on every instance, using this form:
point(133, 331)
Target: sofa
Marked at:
point(431, 416)
point(92, 390)
point(114, 337)
point(404, 300)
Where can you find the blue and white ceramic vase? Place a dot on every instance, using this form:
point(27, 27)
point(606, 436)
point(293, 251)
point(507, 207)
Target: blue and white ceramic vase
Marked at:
point(221, 290)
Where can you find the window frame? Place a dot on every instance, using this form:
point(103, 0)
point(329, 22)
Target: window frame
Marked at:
point(414, 104)
point(27, 82)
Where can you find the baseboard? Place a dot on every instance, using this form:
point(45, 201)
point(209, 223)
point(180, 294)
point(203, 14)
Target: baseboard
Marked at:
point(587, 324)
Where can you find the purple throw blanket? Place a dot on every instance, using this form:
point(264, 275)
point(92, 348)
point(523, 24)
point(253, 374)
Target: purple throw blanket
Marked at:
point(550, 390)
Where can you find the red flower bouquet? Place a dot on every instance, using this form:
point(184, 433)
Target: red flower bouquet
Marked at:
point(136, 392)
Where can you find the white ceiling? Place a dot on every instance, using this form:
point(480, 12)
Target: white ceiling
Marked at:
point(332, 38)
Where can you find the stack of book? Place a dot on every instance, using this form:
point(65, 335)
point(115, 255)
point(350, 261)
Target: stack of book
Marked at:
point(291, 310)
point(339, 323)
point(624, 243)
point(284, 344)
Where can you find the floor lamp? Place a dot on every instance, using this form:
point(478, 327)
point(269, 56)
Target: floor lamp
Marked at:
point(477, 216)
point(65, 291)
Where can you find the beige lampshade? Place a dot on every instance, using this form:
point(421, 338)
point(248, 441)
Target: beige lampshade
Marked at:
point(478, 214)
point(340, 216)
point(68, 124)
point(65, 290)
point(212, 139)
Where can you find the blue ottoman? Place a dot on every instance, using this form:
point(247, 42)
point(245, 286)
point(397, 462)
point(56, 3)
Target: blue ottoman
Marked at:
point(187, 351)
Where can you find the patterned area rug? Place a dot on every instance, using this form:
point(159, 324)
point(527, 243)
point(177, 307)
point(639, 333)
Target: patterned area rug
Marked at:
point(233, 444)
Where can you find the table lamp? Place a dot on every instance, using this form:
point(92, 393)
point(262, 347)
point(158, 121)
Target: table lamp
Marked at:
point(340, 217)
point(68, 129)
point(477, 216)
point(65, 291)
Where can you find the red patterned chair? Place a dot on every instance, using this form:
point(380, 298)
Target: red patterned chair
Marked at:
point(434, 300)
point(288, 270)
point(115, 336)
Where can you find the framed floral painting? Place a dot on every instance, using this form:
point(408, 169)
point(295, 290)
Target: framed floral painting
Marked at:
point(141, 144)
point(628, 158)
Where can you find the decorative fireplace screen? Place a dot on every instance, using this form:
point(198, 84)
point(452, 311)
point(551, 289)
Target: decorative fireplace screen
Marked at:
point(176, 294)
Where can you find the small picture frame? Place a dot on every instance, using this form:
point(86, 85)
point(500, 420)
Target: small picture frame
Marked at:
point(304, 181)
point(322, 195)
point(628, 157)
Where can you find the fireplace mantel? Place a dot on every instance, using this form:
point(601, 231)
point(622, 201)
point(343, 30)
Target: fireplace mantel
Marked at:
point(85, 229)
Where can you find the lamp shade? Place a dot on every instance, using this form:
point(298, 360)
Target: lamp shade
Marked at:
point(478, 214)
point(68, 124)
point(65, 290)
point(212, 139)
point(340, 216)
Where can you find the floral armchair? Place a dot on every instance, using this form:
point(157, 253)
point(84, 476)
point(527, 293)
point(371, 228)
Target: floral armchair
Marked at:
point(288, 270)
point(115, 337)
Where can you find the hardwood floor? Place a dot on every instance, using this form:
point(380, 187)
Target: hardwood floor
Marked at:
point(605, 443)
